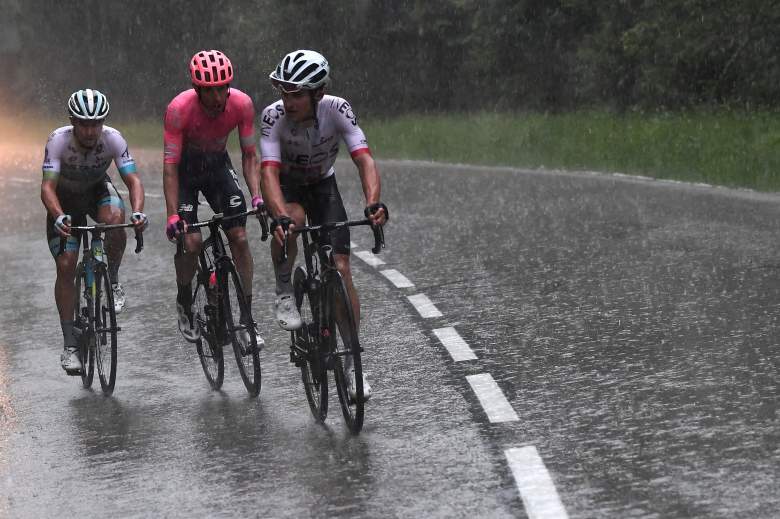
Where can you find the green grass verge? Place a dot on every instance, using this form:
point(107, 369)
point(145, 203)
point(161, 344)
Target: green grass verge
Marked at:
point(730, 149)
point(725, 149)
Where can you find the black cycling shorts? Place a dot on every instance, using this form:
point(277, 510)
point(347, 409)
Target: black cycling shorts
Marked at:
point(78, 205)
point(212, 174)
point(322, 203)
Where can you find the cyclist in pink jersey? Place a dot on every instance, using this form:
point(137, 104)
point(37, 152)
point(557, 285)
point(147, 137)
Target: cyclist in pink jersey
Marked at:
point(299, 143)
point(197, 124)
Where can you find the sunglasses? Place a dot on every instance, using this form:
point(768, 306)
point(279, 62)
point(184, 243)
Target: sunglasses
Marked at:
point(284, 86)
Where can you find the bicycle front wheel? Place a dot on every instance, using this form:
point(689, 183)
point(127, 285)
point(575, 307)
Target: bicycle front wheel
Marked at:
point(306, 351)
point(105, 331)
point(240, 328)
point(345, 350)
point(83, 311)
point(209, 347)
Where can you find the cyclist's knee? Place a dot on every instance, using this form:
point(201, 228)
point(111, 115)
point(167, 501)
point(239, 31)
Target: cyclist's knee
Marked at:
point(237, 238)
point(296, 212)
point(193, 243)
point(343, 265)
point(110, 214)
point(66, 263)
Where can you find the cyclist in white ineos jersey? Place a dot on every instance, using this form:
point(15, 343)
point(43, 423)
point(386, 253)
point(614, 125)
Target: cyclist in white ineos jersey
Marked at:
point(299, 143)
point(76, 184)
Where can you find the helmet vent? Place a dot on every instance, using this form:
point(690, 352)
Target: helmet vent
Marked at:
point(305, 72)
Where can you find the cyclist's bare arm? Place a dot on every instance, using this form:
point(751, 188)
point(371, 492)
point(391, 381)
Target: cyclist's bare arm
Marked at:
point(272, 194)
point(369, 178)
point(136, 190)
point(171, 187)
point(49, 197)
point(251, 175)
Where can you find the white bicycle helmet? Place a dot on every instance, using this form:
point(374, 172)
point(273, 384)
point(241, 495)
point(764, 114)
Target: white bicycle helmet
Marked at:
point(88, 104)
point(301, 70)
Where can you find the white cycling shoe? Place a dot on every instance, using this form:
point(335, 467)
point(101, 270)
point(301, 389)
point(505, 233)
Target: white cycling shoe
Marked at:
point(189, 330)
point(119, 297)
point(69, 360)
point(246, 342)
point(286, 314)
point(353, 391)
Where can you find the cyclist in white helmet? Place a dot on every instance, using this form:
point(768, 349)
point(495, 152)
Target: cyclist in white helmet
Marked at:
point(76, 184)
point(299, 143)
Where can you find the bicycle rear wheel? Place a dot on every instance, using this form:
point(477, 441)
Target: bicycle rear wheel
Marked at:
point(240, 327)
point(209, 347)
point(105, 330)
point(83, 311)
point(344, 342)
point(305, 348)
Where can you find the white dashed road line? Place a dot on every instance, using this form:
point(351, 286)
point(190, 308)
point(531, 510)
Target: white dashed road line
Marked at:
point(535, 485)
point(493, 401)
point(369, 258)
point(396, 278)
point(459, 350)
point(424, 306)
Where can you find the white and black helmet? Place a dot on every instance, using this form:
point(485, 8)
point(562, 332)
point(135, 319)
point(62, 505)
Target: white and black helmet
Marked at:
point(301, 70)
point(88, 104)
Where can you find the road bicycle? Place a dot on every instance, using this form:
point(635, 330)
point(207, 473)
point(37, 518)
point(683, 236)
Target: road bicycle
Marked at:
point(94, 314)
point(220, 309)
point(328, 333)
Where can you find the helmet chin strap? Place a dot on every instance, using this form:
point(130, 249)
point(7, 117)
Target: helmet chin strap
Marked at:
point(314, 103)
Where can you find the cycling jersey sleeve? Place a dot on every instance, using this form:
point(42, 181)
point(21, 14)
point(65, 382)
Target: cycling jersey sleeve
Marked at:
point(270, 147)
point(124, 161)
point(246, 127)
point(173, 135)
point(347, 124)
point(52, 158)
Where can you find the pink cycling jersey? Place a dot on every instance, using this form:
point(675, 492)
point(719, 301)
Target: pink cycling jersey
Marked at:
point(189, 127)
point(306, 155)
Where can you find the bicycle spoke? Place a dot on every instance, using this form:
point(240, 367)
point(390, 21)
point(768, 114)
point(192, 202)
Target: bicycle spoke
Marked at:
point(306, 350)
point(240, 328)
point(345, 352)
point(204, 310)
point(106, 331)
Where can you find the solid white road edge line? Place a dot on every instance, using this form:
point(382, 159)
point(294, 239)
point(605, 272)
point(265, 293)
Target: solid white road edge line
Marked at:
point(459, 350)
point(491, 397)
point(424, 306)
point(534, 483)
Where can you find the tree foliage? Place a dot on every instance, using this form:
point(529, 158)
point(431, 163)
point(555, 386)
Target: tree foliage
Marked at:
point(395, 56)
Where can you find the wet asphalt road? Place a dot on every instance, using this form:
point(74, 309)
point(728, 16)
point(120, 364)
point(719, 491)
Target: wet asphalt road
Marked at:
point(630, 324)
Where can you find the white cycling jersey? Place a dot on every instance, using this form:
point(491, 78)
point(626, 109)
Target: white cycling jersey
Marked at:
point(75, 168)
point(306, 155)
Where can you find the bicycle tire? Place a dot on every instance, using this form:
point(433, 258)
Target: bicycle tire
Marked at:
point(306, 348)
point(105, 330)
point(82, 310)
point(234, 307)
point(209, 346)
point(344, 341)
